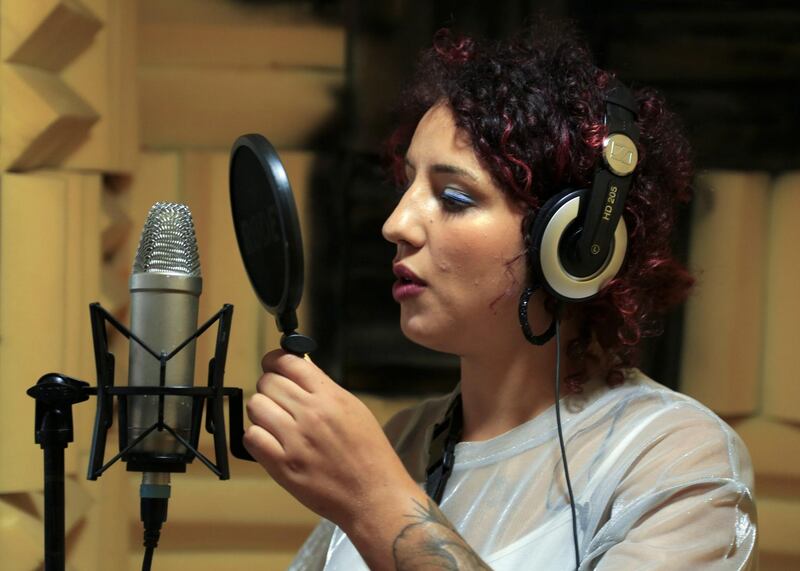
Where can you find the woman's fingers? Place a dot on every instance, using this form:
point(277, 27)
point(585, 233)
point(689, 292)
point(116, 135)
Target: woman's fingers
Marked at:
point(300, 371)
point(271, 417)
point(285, 392)
point(263, 446)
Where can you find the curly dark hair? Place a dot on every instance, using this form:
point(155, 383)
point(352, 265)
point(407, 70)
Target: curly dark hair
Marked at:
point(533, 109)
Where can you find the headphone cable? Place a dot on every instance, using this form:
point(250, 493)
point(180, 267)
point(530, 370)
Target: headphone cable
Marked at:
point(563, 448)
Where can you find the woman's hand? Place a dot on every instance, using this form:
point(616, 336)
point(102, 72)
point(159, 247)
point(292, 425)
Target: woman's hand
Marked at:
point(321, 443)
point(326, 448)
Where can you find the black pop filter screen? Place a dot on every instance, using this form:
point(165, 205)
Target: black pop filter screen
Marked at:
point(267, 228)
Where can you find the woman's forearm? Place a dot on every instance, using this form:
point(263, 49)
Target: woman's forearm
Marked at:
point(429, 541)
point(413, 534)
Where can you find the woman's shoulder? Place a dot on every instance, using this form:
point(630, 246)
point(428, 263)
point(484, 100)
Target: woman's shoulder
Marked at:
point(666, 470)
point(640, 399)
point(650, 425)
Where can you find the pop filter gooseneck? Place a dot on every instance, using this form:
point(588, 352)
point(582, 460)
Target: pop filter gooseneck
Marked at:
point(268, 233)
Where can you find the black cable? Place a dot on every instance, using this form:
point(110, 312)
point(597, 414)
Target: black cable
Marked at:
point(563, 448)
point(154, 514)
point(148, 558)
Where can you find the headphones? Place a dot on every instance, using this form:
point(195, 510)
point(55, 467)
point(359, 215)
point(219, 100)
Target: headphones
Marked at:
point(577, 241)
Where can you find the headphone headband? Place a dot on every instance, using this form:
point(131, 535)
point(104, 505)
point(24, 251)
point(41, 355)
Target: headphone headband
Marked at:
point(612, 180)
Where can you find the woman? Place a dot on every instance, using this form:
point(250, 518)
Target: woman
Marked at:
point(652, 479)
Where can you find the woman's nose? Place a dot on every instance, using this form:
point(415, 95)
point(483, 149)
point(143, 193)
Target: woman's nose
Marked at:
point(403, 224)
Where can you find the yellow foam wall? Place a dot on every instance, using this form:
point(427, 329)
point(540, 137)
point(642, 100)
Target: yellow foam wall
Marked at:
point(782, 311)
point(33, 279)
point(68, 121)
point(49, 272)
point(722, 336)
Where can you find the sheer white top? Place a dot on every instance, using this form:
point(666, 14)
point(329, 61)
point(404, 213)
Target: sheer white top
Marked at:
point(660, 482)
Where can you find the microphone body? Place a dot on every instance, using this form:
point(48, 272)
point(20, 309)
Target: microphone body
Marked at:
point(163, 314)
point(165, 289)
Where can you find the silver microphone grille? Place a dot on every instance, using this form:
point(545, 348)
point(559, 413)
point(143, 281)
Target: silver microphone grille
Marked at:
point(168, 243)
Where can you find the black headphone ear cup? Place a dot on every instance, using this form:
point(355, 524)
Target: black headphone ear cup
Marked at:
point(547, 249)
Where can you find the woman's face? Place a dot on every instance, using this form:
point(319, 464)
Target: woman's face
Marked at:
point(459, 261)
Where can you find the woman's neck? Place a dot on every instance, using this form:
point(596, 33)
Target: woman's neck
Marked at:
point(503, 387)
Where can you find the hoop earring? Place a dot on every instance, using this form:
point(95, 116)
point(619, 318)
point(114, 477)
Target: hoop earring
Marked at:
point(526, 327)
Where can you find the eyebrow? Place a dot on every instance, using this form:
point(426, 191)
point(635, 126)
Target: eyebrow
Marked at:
point(444, 168)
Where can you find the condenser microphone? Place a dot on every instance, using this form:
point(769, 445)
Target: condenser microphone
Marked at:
point(165, 288)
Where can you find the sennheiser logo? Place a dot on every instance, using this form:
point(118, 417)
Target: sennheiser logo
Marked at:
point(621, 152)
point(611, 198)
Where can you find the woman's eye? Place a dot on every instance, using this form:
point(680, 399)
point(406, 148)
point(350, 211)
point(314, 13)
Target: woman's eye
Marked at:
point(455, 200)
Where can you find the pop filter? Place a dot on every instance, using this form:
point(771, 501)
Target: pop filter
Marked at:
point(268, 233)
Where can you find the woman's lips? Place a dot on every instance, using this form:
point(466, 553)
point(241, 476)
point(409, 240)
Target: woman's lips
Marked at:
point(402, 290)
point(408, 283)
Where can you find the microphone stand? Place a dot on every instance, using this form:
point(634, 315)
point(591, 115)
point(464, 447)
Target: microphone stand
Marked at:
point(53, 430)
point(55, 394)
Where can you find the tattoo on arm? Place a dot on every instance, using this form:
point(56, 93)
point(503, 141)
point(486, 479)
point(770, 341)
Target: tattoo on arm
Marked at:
point(431, 542)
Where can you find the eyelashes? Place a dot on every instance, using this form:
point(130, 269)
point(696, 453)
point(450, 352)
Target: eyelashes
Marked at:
point(455, 200)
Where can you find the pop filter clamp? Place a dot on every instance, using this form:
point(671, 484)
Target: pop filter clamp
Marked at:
point(268, 233)
point(53, 428)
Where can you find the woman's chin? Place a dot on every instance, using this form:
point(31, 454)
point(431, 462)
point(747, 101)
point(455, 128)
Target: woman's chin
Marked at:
point(428, 335)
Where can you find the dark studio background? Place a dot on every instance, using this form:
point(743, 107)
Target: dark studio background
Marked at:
point(730, 69)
